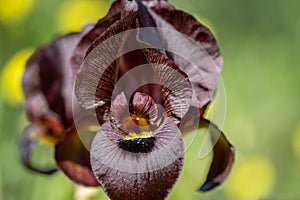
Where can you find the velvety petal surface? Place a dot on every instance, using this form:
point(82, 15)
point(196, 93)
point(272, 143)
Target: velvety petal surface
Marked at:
point(79, 53)
point(175, 85)
point(127, 174)
point(197, 55)
point(73, 157)
point(46, 83)
point(97, 75)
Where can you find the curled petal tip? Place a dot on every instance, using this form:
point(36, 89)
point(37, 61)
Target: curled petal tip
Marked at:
point(26, 148)
point(208, 186)
point(223, 157)
point(211, 184)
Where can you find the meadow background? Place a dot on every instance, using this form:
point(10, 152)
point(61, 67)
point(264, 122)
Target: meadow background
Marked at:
point(259, 41)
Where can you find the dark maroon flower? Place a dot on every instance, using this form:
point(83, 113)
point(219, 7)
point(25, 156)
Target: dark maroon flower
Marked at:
point(146, 72)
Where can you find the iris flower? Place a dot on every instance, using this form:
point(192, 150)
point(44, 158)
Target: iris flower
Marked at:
point(117, 98)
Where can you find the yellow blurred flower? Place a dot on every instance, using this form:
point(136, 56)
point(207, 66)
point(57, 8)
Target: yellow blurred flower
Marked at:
point(296, 143)
point(11, 77)
point(74, 14)
point(13, 11)
point(252, 179)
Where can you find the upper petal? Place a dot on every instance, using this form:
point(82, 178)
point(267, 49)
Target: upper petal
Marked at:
point(79, 53)
point(175, 85)
point(96, 77)
point(197, 55)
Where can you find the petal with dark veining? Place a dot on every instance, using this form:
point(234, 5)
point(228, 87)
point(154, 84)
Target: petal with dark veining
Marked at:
point(176, 87)
point(199, 58)
point(79, 53)
point(125, 172)
point(97, 75)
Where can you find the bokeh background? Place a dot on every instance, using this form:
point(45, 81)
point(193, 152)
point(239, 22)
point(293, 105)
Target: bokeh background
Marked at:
point(260, 43)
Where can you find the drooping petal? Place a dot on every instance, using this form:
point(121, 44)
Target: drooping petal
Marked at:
point(72, 155)
point(223, 151)
point(28, 141)
point(46, 83)
point(190, 121)
point(223, 157)
point(125, 172)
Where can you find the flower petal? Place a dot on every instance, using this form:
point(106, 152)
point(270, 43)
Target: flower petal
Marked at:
point(223, 157)
point(202, 62)
point(124, 174)
point(190, 121)
point(96, 77)
point(144, 105)
point(223, 151)
point(79, 53)
point(176, 87)
point(119, 109)
point(46, 83)
point(73, 157)
point(194, 29)
point(27, 144)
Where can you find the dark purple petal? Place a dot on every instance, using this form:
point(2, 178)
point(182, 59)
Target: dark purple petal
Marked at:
point(29, 139)
point(46, 83)
point(73, 157)
point(223, 157)
point(176, 87)
point(143, 105)
point(202, 62)
point(157, 3)
point(103, 67)
point(223, 151)
point(124, 174)
point(194, 29)
point(79, 53)
point(190, 121)
point(97, 75)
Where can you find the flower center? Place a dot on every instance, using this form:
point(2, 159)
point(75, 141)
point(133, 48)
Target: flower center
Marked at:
point(138, 143)
point(135, 124)
point(142, 135)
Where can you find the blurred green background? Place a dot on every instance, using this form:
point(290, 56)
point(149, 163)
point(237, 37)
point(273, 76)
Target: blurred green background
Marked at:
point(259, 41)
